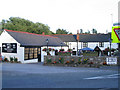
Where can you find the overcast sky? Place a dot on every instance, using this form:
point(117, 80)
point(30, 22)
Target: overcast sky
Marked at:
point(71, 15)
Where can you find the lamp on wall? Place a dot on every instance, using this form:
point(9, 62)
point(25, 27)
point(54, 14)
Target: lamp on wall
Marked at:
point(47, 41)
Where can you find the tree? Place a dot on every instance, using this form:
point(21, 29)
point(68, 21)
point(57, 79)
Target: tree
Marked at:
point(61, 31)
point(94, 31)
point(0, 25)
point(3, 23)
point(20, 24)
point(88, 31)
point(81, 30)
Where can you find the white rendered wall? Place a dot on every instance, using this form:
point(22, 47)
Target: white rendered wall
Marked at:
point(6, 38)
point(106, 45)
point(91, 45)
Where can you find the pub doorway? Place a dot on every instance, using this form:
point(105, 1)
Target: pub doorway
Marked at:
point(39, 54)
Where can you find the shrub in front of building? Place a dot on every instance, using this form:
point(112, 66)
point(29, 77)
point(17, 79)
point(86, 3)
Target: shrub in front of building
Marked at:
point(5, 60)
point(15, 59)
point(49, 61)
point(63, 53)
point(11, 59)
point(61, 60)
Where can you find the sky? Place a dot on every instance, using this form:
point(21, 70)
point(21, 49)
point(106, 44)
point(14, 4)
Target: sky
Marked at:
point(71, 15)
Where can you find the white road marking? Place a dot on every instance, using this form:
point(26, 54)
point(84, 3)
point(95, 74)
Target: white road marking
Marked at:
point(105, 76)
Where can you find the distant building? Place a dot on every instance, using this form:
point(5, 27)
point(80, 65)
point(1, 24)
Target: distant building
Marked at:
point(87, 40)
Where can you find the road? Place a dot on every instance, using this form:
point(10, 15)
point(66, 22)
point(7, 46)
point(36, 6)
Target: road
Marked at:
point(39, 76)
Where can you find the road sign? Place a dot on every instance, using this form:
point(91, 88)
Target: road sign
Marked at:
point(115, 34)
point(111, 60)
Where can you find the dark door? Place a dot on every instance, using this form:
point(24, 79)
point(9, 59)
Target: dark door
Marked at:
point(39, 54)
point(39, 57)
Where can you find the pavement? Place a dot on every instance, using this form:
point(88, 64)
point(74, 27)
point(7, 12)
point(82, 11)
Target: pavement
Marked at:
point(15, 75)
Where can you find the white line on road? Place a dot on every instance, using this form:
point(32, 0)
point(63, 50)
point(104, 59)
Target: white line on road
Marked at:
point(105, 76)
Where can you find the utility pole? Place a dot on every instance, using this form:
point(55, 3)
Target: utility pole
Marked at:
point(110, 40)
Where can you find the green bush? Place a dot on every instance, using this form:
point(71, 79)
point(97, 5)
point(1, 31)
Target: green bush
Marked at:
point(79, 60)
point(64, 53)
point(11, 59)
point(15, 59)
point(49, 60)
point(6, 59)
point(61, 60)
point(85, 61)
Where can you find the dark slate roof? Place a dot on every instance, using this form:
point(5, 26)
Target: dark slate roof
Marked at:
point(65, 37)
point(94, 37)
point(84, 37)
point(30, 39)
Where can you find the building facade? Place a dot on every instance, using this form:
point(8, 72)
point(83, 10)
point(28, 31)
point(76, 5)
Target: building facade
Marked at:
point(87, 40)
point(26, 47)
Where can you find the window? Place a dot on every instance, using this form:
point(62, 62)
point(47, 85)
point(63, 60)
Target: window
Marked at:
point(31, 53)
point(26, 53)
point(39, 50)
point(101, 44)
point(85, 44)
point(35, 53)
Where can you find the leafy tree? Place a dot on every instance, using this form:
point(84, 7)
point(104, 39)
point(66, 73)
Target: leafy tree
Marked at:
point(61, 31)
point(70, 33)
point(94, 31)
point(81, 30)
point(20, 24)
point(88, 31)
point(0, 25)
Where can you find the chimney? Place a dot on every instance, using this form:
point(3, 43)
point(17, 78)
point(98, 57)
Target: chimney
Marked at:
point(77, 31)
point(78, 35)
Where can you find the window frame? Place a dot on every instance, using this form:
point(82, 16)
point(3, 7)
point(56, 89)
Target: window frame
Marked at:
point(31, 53)
point(85, 44)
point(101, 44)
